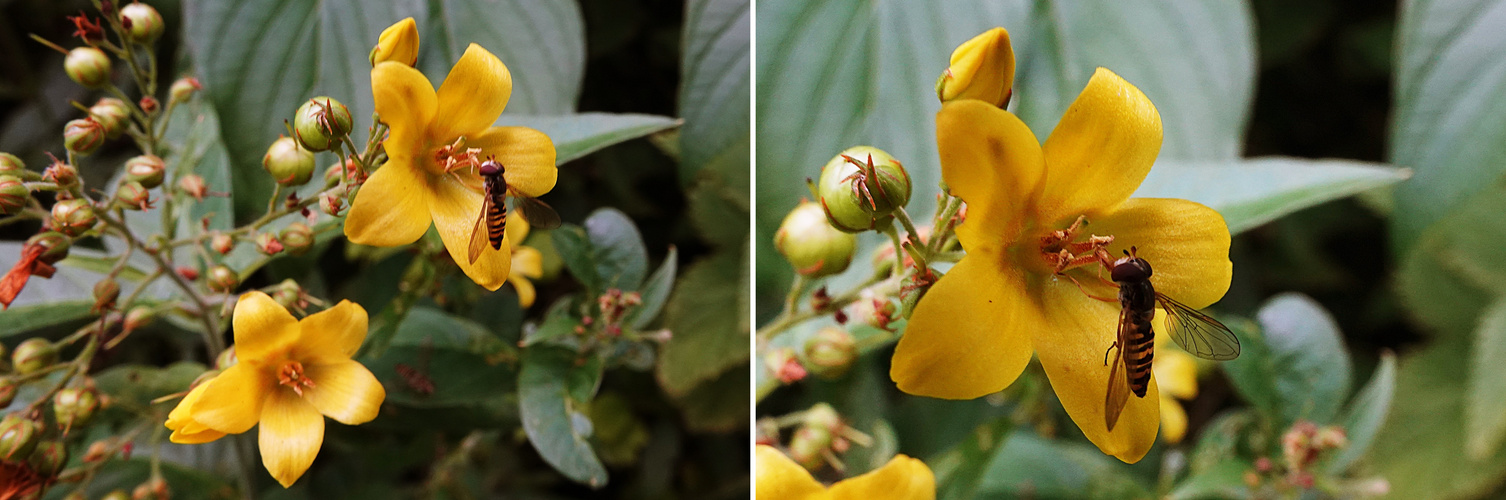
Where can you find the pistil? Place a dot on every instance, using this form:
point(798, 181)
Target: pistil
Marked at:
point(291, 375)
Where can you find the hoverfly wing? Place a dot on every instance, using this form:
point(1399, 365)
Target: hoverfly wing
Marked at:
point(538, 214)
point(1198, 334)
point(1118, 390)
point(479, 237)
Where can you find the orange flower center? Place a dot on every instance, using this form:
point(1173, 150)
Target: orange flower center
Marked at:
point(291, 375)
point(1062, 250)
point(454, 157)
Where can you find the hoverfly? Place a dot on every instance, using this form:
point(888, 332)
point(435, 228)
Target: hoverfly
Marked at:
point(1197, 333)
point(491, 223)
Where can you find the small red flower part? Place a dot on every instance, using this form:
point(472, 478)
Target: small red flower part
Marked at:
point(89, 31)
point(17, 481)
point(30, 264)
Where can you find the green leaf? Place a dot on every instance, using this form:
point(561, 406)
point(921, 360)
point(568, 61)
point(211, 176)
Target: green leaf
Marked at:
point(1366, 412)
point(655, 292)
point(1222, 439)
point(1224, 480)
point(1255, 191)
point(1035, 467)
point(720, 405)
point(545, 405)
point(542, 42)
point(580, 134)
point(1449, 114)
point(447, 361)
point(574, 247)
point(22, 319)
point(620, 259)
point(1296, 368)
point(1485, 391)
point(966, 463)
point(709, 320)
point(714, 93)
point(138, 385)
point(1472, 240)
point(185, 482)
point(194, 132)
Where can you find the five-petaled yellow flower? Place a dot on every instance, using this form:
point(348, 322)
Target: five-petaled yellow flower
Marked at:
point(437, 139)
point(290, 374)
point(974, 331)
point(903, 478)
point(527, 262)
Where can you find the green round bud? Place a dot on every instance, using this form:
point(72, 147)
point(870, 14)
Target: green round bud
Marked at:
point(8, 386)
point(193, 185)
point(288, 293)
point(60, 173)
point(222, 279)
point(226, 359)
point(184, 88)
point(114, 114)
point(297, 238)
point(83, 136)
point(116, 495)
point(74, 407)
point(73, 217)
point(33, 354)
point(319, 122)
point(861, 187)
point(288, 163)
point(138, 317)
point(811, 244)
point(147, 170)
point(56, 244)
point(332, 204)
point(830, 352)
point(133, 196)
point(18, 437)
point(142, 23)
point(268, 244)
point(49, 457)
point(14, 195)
point(105, 293)
point(88, 66)
point(13, 166)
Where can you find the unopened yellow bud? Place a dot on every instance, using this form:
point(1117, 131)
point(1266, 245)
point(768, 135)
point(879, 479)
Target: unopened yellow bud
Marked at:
point(981, 68)
point(398, 43)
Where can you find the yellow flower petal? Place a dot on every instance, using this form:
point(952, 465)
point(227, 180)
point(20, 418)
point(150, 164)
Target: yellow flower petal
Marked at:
point(526, 293)
point(345, 391)
point(982, 68)
point(392, 207)
point(234, 401)
point(1186, 244)
point(1173, 420)
point(1100, 151)
point(333, 334)
point(525, 153)
point(185, 429)
point(406, 102)
point(527, 261)
point(779, 477)
point(473, 95)
point(455, 209)
point(517, 229)
point(971, 333)
point(397, 43)
point(290, 435)
point(1071, 349)
point(263, 327)
point(990, 159)
point(202, 436)
point(903, 478)
point(1176, 371)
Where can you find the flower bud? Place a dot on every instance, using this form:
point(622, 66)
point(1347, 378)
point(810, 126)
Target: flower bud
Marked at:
point(56, 244)
point(133, 196)
point(872, 310)
point(397, 43)
point(61, 174)
point(73, 217)
point(267, 243)
point(981, 68)
point(811, 244)
point(113, 114)
point(222, 279)
point(861, 187)
point(74, 407)
point(333, 176)
point(184, 88)
point(33, 354)
point(910, 292)
point(332, 204)
point(147, 170)
point(49, 457)
point(222, 243)
point(288, 163)
point(830, 352)
point(188, 273)
point(105, 294)
point(226, 359)
point(817, 433)
point(116, 495)
point(288, 294)
point(18, 437)
point(13, 166)
point(142, 23)
point(193, 185)
point(785, 365)
point(149, 105)
point(98, 451)
point(320, 122)
point(83, 136)
point(8, 388)
point(14, 195)
point(138, 317)
point(297, 238)
point(88, 66)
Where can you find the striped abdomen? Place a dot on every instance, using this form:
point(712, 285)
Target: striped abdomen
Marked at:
point(496, 210)
point(1139, 300)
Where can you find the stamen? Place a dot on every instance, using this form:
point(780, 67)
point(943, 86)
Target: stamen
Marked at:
point(1063, 253)
point(291, 375)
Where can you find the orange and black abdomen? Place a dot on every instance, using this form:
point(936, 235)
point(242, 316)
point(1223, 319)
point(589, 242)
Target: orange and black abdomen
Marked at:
point(496, 213)
point(1138, 298)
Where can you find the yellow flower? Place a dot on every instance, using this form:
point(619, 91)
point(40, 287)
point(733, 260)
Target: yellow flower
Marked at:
point(290, 375)
point(981, 68)
point(903, 478)
point(398, 43)
point(1176, 373)
point(436, 139)
point(974, 331)
point(527, 262)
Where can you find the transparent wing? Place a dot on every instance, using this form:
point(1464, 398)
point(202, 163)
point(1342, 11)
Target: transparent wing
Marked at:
point(479, 239)
point(538, 214)
point(1119, 390)
point(1198, 333)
